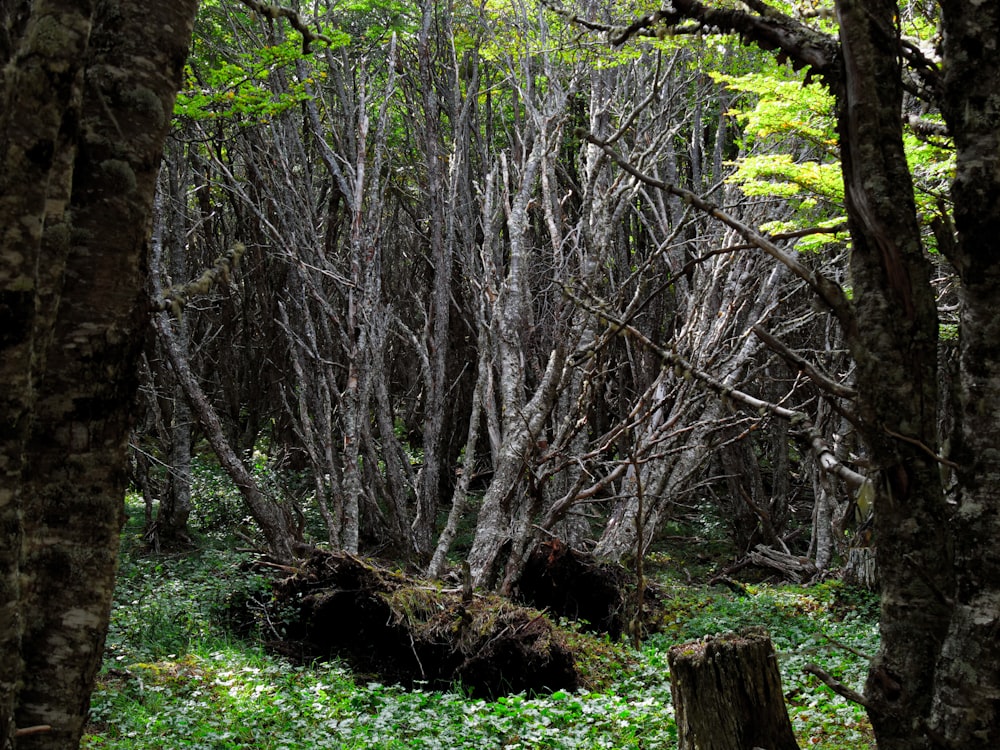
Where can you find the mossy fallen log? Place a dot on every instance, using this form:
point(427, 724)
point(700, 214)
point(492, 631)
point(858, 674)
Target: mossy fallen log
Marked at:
point(412, 632)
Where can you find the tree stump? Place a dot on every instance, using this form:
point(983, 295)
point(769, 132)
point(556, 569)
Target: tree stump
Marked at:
point(727, 694)
point(860, 568)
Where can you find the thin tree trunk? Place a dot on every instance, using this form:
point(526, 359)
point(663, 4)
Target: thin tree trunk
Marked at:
point(274, 522)
point(439, 314)
point(493, 527)
point(175, 504)
point(459, 498)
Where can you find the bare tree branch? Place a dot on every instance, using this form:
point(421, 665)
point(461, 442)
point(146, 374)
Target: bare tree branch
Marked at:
point(828, 290)
point(798, 419)
point(838, 687)
point(276, 11)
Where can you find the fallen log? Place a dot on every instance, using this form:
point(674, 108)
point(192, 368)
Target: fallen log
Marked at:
point(412, 632)
point(792, 567)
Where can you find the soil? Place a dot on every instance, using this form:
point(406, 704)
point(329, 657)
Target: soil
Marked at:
point(570, 584)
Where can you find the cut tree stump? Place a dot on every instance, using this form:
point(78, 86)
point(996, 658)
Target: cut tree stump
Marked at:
point(727, 694)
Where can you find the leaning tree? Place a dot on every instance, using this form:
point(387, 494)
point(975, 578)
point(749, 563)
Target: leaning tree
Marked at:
point(936, 679)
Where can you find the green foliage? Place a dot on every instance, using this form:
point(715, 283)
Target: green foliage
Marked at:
point(371, 21)
point(164, 607)
point(173, 677)
point(789, 149)
point(932, 164)
point(239, 89)
point(217, 506)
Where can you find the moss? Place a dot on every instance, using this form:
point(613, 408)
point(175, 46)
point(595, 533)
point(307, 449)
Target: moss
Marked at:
point(58, 235)
point(414, 605)
point(145, 101)
point(119, 175)
point(80, 236)
point(51, 38)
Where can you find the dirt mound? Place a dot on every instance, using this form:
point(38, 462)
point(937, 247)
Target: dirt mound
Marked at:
point(411, 632)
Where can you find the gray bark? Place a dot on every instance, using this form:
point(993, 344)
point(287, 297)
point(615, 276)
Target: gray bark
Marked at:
point(275, 521)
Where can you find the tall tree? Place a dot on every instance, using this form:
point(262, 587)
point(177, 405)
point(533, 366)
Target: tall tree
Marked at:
point(88, 88)
point(936, 679)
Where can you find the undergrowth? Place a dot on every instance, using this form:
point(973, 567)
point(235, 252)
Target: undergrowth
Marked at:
point(174, 677)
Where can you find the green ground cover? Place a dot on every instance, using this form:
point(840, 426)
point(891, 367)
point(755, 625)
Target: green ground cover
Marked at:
point(173, 676)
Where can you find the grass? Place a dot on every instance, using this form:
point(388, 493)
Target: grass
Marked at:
point(174, 678)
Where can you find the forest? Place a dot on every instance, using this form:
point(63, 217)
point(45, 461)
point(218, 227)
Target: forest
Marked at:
point(457, 362)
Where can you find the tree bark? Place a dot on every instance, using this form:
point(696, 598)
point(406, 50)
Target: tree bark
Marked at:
point(966, 700)
point(41, 91)
point(895, 347)
point(727, 694)
point(81, 359)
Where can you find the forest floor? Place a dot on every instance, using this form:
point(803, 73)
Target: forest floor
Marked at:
point(175, 677)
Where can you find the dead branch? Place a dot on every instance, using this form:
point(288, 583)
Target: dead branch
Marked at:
point(37, 729)
point(276, 11)
point(836, 686)
point(796, 568)
point(766, 27)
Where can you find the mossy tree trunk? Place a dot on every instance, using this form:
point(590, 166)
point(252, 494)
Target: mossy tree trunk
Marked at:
point(88, 91)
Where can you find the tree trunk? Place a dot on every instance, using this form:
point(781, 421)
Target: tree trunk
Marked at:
point(441, 205)
point(966, 705)
point(82, 361)
point(169, 238)
point(727, 694)
point(41, 95)
point(893, 340)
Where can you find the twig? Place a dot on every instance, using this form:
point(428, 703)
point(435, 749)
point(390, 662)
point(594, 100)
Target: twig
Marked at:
point(798, 419)
point(37, 729)
point(913, 441)
point(836, 686)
